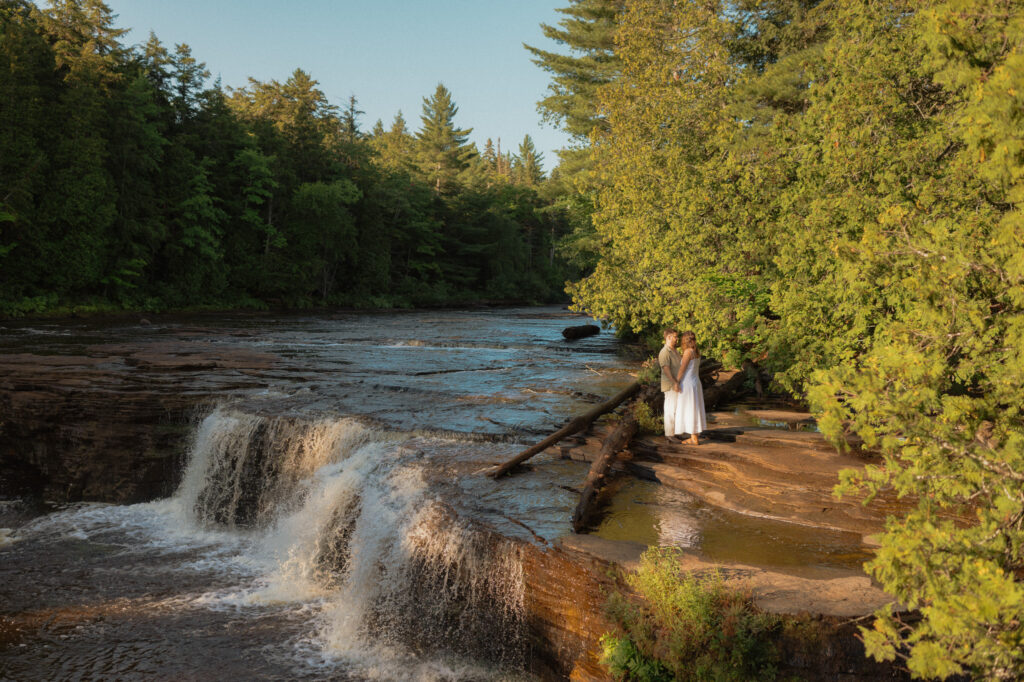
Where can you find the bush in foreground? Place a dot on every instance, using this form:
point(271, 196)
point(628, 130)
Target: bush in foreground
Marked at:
point(676, 625)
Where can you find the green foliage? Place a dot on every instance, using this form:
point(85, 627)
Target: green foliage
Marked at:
point(626, 662)
point(834, 190)
point(442, 149)
point(646, 419)
point(527, 169)
point(681, 626)
point(588, 30)
point(650, 372)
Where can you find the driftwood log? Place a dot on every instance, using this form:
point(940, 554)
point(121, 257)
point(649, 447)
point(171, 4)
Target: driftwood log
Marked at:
point(575, 425)
point(724, 391)
point(597, 476)
point(580, 331)
point(616, 441)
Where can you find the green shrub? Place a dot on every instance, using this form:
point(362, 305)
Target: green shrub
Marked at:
point(627, 662)
point(646, 419)
point(650, 372)
point(678, 625)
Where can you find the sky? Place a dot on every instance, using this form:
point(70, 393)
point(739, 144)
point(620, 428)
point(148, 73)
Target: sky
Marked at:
point(390, 54)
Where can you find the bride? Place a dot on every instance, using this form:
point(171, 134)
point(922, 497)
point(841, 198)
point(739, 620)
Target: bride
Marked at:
point(690, 416)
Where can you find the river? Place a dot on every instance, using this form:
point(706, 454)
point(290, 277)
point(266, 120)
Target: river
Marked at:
point(324, 524)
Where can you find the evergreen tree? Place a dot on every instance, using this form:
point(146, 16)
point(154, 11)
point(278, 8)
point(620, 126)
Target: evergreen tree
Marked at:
point(29, 89)
point(442, 149)
point(588, 30)
point(489, 156)
point(78, 206)
point(188, 78)
point(528, 170)
point(395, 147)
point(350, 120)
point(136, 149)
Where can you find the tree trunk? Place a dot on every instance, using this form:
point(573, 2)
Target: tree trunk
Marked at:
point(575, 425)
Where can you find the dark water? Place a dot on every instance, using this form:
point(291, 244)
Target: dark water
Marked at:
point(326, 525)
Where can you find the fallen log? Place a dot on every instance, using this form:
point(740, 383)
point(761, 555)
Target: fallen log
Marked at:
point(709, 370)
point(580, 331)
point(575, 425)
point(724, 391)
point(596, 478)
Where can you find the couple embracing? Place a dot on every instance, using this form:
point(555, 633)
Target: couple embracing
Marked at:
point(680, 381)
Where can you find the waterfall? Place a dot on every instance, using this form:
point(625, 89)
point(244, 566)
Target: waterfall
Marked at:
point(351, 519)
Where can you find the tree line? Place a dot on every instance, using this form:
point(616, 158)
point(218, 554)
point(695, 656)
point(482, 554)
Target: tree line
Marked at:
point(832, 189)
point(129, 181)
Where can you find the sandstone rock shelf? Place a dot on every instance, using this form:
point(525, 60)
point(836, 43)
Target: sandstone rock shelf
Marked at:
point(759, 471)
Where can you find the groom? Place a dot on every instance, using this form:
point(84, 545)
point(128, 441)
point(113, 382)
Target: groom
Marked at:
point(670, 360)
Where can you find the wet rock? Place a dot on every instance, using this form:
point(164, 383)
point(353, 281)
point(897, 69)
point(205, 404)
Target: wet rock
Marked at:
point(111, 425)
point(580, 331)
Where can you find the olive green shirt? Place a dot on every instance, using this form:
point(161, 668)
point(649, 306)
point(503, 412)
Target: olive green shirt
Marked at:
point(669, 357)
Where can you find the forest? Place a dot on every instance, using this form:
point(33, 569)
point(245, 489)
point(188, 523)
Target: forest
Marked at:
point(130, 181)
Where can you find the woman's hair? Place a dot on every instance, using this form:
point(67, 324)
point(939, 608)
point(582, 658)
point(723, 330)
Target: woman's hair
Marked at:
point(689, 340)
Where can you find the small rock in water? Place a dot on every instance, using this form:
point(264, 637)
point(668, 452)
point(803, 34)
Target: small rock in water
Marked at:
point(144, 322)
point(580, 331)
point(6, 537)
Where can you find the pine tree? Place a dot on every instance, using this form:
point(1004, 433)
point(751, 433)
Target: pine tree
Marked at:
point(442, 149)
point(489, 156)
point(588, 30)
point(188, 78)
point(80, 203)
point(394, 147)
point(528, 170)
point(350, 120)
point(29, 89)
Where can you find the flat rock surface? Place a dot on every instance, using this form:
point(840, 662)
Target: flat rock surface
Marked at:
point(759, 471)
point(830, 592)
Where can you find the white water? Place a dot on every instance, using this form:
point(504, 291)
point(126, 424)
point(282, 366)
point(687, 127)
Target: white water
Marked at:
point(341, 518)
point(329, 524)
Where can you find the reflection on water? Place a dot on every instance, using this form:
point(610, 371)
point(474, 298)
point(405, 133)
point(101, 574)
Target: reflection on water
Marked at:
point(655, 514)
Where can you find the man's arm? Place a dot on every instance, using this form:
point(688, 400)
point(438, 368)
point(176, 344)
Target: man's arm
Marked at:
point(666, 372)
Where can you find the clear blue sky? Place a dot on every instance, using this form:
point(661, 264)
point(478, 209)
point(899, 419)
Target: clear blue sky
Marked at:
point(388, 53)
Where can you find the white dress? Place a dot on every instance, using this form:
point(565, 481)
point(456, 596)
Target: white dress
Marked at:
point(690, 416)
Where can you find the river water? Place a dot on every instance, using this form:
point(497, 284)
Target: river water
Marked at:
point(325, 525)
